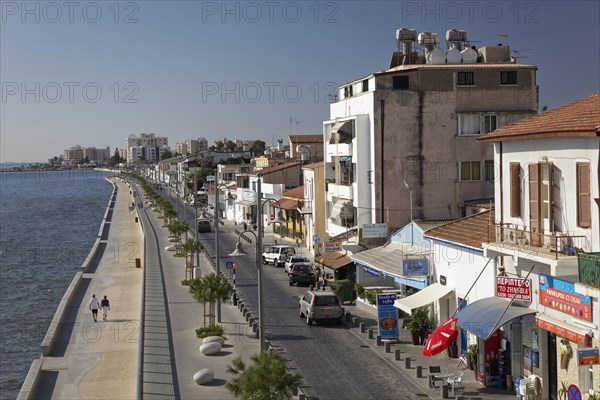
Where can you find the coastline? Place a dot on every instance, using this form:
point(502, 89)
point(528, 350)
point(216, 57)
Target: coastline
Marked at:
point(29, 386)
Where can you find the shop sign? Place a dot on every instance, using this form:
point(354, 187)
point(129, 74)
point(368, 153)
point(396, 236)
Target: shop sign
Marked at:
point(330, 247)
point(506, 287)
point(248, 195)
point(374, 230)
point(560, 331)
point(589, 356)
point(418, 267)
point(371, 271)
point(387, 316)
point(561, 295)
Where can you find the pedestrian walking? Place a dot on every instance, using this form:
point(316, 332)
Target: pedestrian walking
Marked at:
point(105, 307)
point(94, 307)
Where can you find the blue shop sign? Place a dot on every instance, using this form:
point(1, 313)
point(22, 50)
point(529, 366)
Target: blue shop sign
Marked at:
point(371, 271)
point(387, 316)
point(418, 267)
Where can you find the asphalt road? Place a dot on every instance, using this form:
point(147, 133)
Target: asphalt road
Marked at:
point(333, 361)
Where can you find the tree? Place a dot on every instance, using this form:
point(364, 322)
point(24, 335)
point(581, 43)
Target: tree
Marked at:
point(258, 148)
point(166, 154)
point(210, 289)
point(115, 159)
point(266, 379)
point(230, 145)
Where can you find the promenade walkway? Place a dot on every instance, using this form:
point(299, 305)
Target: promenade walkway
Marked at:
point(98, 360)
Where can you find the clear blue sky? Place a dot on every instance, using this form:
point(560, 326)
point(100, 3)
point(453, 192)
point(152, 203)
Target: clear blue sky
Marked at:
point(184, 69)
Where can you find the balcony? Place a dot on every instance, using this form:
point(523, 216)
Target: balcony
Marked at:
point(340, 188)
point(589, 269)
point(339, 149)
point(556, 245)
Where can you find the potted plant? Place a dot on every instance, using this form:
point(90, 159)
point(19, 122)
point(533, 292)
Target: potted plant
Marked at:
point(419, 322)
point(472, 356)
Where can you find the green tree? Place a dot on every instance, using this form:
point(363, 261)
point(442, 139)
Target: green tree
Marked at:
point(210, 289)
point(266, 379)
point(166, 154)
point(230, 145)
point(258, 148)
point(191, 247)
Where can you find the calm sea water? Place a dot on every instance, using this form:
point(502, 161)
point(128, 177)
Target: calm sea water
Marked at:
point(48, 223)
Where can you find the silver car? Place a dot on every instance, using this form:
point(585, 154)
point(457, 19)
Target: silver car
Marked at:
point(291, 260)
point(319, 306)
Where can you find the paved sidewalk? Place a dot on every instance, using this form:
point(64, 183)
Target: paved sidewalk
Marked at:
point(186, 315)
point(98, 360)
point(472, 388)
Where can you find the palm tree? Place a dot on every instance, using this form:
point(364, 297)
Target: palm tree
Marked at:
point(210, 289)
point(266, 379)
point(191, 247)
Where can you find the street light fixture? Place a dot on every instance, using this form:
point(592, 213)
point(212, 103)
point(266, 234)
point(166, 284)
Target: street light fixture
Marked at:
point(410, 199)
point(259, 267)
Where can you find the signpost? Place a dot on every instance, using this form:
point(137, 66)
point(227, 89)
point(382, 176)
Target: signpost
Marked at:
point(330, 247)
point(387, 316)
point(374, 230)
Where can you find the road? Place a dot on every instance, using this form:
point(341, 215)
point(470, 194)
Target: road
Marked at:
point(333, 361)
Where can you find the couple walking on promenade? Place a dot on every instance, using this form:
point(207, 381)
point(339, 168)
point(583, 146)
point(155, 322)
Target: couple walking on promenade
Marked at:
point(105, 304)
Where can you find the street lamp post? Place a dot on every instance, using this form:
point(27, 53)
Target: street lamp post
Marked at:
point(217, 250)
point(410, 199)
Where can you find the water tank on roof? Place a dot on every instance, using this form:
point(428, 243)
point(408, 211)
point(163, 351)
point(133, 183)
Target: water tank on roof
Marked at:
point(453, 56)
point(436, 56)
point(428, 38)
point(456, 35)
point(469, 56)
point(405, 34)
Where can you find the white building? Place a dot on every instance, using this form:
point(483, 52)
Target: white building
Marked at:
point(418, 123)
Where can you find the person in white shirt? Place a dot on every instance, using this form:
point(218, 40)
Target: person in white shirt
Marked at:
point(94, 307)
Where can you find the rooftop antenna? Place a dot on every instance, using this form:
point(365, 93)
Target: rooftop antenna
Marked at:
point(518, 53)
point(294, 121)
point(505, 36)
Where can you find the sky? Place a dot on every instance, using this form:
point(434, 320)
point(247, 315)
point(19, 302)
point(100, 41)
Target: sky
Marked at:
point(93, 72)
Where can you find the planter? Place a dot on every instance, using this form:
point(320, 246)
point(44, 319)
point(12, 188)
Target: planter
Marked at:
point(416, 336)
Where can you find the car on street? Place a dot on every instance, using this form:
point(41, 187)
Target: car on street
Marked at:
point(320, 306)
point(277, 255)
point(302, 273)
point(203, 225)
point(291, 260)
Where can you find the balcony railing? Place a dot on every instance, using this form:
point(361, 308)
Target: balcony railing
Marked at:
point(559, 244)
point(589, 268)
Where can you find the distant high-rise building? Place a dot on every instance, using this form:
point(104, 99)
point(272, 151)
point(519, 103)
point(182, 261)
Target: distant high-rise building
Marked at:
point(146, 147)
point(74, 154)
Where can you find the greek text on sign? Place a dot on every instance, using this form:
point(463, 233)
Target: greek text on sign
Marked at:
point(330, 247)
point(247, 195)
point(561, 295)
point(506, 287)
point(374, 230)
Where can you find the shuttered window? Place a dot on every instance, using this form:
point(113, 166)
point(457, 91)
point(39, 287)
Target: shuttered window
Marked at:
point(584, 217)
point(515, 190)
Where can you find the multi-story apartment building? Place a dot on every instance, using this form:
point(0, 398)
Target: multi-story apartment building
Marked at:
point(306, 147)
point(146, 147)
point(97, 156)
point(410, 132)
point(195, 146)
point(181, 148)
point(73, 155)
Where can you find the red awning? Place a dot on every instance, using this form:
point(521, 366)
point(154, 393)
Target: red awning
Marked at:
point(286, 204)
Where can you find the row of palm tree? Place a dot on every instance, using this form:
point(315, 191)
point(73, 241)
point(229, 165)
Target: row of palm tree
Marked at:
point(267, 378)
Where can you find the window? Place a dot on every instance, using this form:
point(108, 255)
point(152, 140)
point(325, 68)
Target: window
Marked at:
point(365, 85)
point(347, 91)
point(515, 190)
point(470, 171)
point(469, 124)
point(508, 77)
point(584, 218)
point(489, 123)
point(466, 79)
point(400, 82)
point(489, 170)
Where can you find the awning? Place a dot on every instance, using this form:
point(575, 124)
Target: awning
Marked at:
point(246, 203)
point(423, 297)
point(286, 204)
point(484, 316)
point(334, 260)
point(561, 329)
point(344, 127)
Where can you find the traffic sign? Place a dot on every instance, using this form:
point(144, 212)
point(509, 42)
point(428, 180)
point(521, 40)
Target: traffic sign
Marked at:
point(229, 265)
point(272, 217)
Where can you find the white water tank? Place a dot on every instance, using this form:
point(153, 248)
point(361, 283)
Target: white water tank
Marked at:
point(456, 35)
point(453, 56)
point(469, 56)
point(406, 35)
point(436, 56)
point(428, 38)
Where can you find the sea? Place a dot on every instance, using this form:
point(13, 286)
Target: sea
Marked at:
point(49, 221)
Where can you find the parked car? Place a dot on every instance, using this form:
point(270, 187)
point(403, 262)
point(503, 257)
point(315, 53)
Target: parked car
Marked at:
point(203, 225)
point(320, 306)
point(277, 255)
point(292, 260)
point(302, 273)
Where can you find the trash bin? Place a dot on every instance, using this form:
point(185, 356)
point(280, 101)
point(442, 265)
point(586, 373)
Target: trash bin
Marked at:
point(344, 288)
